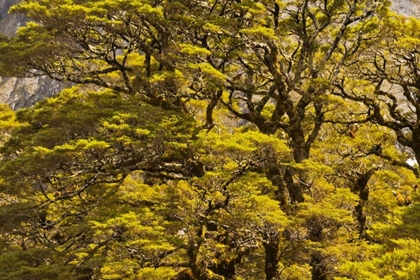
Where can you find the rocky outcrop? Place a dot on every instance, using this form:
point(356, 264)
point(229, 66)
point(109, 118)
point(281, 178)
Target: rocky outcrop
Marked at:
point(407, 7)
point(9, 23)
point(25, 92)
point(21, 92)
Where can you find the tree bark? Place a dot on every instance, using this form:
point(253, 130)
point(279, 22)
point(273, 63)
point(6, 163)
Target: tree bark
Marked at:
point(272, 257)
point(361, 189)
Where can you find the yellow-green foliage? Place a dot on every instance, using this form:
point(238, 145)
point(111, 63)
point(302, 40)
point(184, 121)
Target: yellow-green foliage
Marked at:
point(299, 172)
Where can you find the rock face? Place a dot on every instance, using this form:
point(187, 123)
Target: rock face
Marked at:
point(407, 7)
point(24, 92)
point(21, 92)
point(9, 23)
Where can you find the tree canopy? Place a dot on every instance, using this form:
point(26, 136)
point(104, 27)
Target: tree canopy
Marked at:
point(213, 139)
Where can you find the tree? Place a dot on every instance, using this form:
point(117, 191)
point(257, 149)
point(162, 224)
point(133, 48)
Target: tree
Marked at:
point(389, 76)
point(236, 47)
point(208, 140)
point(106, 195)
point(60, 170)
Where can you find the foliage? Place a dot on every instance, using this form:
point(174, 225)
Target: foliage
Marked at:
point(212, 140)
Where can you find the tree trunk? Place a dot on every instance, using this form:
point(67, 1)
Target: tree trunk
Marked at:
point(318, 267)
point(416, 142)
point(361, 189)
point(272, 256)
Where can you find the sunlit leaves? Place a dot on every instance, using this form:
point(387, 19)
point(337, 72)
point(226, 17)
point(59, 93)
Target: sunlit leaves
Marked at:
point(295, 174)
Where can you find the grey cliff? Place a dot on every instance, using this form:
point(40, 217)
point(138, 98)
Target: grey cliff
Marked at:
point(22, 92)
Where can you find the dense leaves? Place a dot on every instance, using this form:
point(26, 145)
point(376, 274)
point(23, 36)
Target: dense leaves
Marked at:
point(212, 140)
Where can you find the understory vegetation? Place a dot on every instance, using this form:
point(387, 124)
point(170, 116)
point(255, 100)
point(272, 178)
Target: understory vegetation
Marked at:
point(213, 139)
